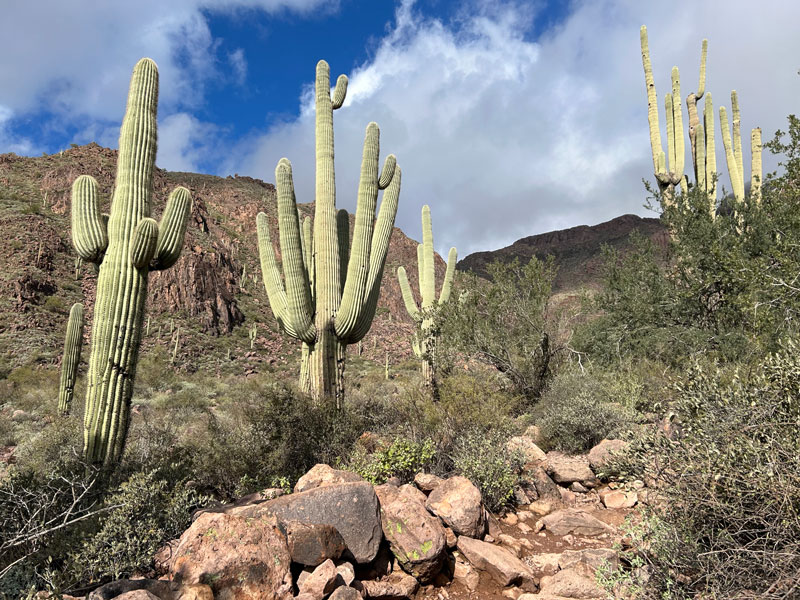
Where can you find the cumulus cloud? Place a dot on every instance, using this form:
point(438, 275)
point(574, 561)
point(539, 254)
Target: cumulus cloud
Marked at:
point(10, 142)
point(505, 136)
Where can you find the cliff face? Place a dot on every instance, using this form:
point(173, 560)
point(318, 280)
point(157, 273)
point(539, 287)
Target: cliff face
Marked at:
point(577, 250)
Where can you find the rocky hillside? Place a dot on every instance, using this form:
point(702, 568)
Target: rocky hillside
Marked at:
point(208, 300)
point(577, 251)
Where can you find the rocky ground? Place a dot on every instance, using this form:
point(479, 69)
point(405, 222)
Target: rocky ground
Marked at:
point(339, 537)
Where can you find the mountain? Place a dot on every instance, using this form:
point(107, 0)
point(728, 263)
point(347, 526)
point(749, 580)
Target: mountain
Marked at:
point(577, 250)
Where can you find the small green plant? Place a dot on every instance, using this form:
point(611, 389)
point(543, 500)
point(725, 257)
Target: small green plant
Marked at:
point(403, 458)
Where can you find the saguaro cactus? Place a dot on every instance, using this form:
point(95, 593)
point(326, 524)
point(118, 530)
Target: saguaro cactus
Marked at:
point(127, 246)
point(329, 299)
point(73, 342)
point(733, 153)
point(425, 344)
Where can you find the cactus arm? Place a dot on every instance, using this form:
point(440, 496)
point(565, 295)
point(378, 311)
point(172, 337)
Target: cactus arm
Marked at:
point(71, 359)
point(354, 293)
point(652, 101)
point(733, 169)
point(143, 242)
point(89, 233)
point(694, 119)
point(701, 85)
point(377, 256)
point(298, 294)
point(408, 296)
point(420, 265)
point(272, 275)
point(387, 173)
point(679, 143)
point(447, 284)
point(343, 235)
point(309, 245)
point(668, 111)
point(737, 135)
point(711, 151)
point(339, 92)
point(172, 229)
point(755, 165)
point(428, 283)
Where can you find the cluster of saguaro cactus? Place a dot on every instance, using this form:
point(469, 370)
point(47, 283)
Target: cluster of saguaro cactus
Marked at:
point(126, 245)
point(668, 168)
point(424, 316)
point(73, 342)
point(329, 298)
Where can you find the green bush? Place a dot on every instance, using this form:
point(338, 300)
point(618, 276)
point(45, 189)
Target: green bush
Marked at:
point(730, 519)
point(403, 458)
point(486, 460)
point(577, 412)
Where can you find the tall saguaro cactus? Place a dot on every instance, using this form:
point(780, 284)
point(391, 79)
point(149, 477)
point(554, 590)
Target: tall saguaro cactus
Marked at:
point(73, 341)
point(329, 298)
point(733, 153)
point(424, 316)
point(126, 246)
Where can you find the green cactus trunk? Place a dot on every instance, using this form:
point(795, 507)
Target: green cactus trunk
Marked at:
point(331, 290)
point(425, 317)
point(73, 342)
point(126, 249)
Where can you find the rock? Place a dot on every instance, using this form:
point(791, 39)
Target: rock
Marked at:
point(512, 543)
point(568, 583)
point(272, 493)
point(534, 433)
point(566, 469)
point(194, 592)
point(464, 573)
point(321, 581)
point(618, 498)
point(311, 544)
point(502, 565)
point(600, 454)
point(381, 566)
point(137, 595)
point(321, 475)
point(163, 557)
point(346, 572)
point(541, 507)
point(523, 527)
point(416, 538)
point(577, 487)
point(544, 563)
point(352, 508)
point(242, 558)
point(588, 560)
point(546, 488)
point(576, 521)
point(513, 593)
point(492, 525)
point(510, 519)
point(427, 482)
point(567, 497)
point(413, 492)
point(521, 496)
point(458, 503)
point(345, 593)
point(530, 452)
point(450, 538)
point(396, 587)
point(155, 587)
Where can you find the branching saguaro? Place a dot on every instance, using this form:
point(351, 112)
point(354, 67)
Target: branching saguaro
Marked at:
point(331, 288)
point(424, 315)
point(733, 153)
point(127, 245)
point(73, 341)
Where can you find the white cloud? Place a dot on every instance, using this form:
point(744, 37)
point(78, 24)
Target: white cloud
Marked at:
point(505, 137)
point(185, 143)
point(239, 65)
point(10, 142)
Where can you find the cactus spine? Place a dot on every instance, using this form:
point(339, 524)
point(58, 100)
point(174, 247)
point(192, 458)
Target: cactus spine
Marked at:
point(127, 248)
point(329, 299)
point(424, 316)
point(73, 342)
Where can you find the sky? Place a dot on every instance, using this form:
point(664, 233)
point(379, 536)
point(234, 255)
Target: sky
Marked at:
point(509, 118)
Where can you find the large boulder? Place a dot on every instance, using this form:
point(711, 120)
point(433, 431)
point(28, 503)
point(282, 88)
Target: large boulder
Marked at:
point(395, 587)
point(416, 538)
point(602, 452)
point(530, 452)
point(568, 469)
point(501, 564)
point(457, 502)
point(568, 583)
point(546, 488)
point(322, 475)
point(240, 558)
point(351, 508)
point(321, 581)
point(574, 521)
point(311, 544)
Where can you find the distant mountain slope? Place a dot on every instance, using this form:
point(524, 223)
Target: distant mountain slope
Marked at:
point(577, 250)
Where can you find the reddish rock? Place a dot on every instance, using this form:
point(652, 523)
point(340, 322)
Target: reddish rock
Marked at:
point(321, 581)
point(322, 475)
point(618, 498)
point(568, 583)
point(574, 521)
point(427, 482)
point(312, 544)
point(458, 503)
point(602, 452)
point(502, 565)
point(240, 558)
point(566, 469)
point(396, 587)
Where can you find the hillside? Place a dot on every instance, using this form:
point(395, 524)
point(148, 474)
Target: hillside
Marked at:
point(213, 295)
point(577, 250)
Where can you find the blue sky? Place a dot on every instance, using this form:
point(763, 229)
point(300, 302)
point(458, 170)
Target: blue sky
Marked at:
point(509, 117)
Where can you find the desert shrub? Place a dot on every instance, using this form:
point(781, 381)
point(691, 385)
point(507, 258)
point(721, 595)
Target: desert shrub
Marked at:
point(144, 513)
point(730, 483)
point(486, 460)
point(403, 458)
point(577, 412)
